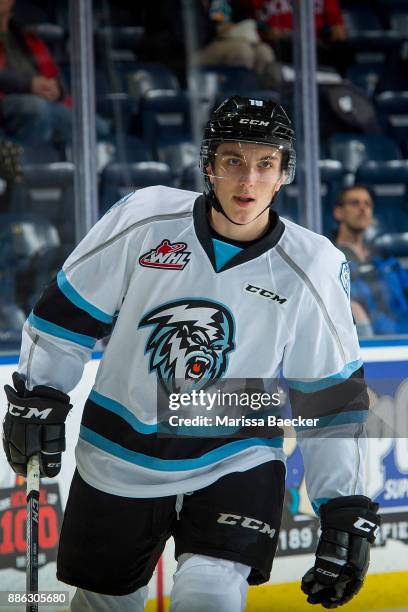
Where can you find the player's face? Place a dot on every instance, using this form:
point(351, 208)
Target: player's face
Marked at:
point(356, 211)
point(245, 176)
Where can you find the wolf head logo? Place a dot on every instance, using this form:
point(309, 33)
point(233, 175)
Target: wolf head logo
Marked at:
point(189, 343)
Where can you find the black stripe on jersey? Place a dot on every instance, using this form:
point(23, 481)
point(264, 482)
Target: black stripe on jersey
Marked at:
point(112, 427)
point(347, 396)
point(252, 251)
point(54, 307)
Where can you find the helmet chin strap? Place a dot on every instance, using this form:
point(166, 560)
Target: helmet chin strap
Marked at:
point(216, 204)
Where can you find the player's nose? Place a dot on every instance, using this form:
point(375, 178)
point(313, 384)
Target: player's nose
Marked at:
point(248, 175)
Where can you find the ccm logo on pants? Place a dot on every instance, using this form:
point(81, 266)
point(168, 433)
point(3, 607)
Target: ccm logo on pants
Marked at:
point(248, 523)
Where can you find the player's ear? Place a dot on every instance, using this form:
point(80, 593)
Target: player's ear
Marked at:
point(338, 213)
point(280, 182)
point(210, 172)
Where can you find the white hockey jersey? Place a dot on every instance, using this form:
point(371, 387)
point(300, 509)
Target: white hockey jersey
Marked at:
point(149, 267)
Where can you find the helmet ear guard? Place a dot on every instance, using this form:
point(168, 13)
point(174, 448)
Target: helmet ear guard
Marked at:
point(289, 165)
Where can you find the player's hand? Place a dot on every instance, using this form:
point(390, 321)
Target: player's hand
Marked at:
point(45, 88)
point(349, 526)
point(34, 424)
point(53, 90)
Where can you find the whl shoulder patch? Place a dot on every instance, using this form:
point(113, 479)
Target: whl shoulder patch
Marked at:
point(345, 277)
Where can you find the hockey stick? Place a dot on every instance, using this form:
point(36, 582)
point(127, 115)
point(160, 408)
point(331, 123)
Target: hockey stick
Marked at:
point(33, 508)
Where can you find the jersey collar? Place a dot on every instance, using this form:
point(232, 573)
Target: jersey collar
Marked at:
point(203, 231)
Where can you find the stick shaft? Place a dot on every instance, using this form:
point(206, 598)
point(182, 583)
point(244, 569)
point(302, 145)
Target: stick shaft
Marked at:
point(33, 508)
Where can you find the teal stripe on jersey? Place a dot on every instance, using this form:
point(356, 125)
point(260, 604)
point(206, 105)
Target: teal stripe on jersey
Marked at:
point(143, 428)
point(310, 386)
point(122, 411)
point(174, 465)
point(223, 252)
point(73, 296)
point(60, 332)
point(319, 501)
point(342, 418)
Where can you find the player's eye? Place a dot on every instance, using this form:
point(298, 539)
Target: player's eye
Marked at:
point(233, 161)
point(265, 163)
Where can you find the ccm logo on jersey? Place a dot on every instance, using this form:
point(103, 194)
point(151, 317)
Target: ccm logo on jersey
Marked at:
point(269, 295)
point(248, 523)
point(30, 412)
point(254, 122)
point(167, 256)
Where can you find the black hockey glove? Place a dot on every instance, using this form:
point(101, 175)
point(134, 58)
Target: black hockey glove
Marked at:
point(35, 424)
point(349, 526)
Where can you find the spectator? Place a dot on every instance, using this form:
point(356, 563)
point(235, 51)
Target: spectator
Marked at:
point(236, 41)
point(379, 286)
point(33, 104)
point(275, 21)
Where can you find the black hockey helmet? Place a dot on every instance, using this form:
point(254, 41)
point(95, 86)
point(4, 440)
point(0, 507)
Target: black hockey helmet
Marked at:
point(247, 120)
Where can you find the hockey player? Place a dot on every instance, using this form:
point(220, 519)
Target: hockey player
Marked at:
point(189, 280)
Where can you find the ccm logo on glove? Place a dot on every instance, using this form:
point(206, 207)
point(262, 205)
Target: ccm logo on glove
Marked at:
point(326, 573)
point(35, 425)
point(30, 412)
point(365, 525)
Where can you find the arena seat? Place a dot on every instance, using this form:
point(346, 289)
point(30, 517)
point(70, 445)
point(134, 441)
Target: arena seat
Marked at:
point(192, 178)
point(119, 37)
point(119, 179)
point(48, 191)
point(367, 36)
point(33, 247)
point(130, 148)
point(28, 13)
point(145, 77)
point(179, 156)
point(165, 118)
point(359, 19)
point(392, 245)
point(331, 182)
point(41, 153)
point(366, 76)
point(116, 106)
point(12, 319)
point(352, 149)
point(393, 109)
point(228, 80)
point(394, 5)
point(399, 22)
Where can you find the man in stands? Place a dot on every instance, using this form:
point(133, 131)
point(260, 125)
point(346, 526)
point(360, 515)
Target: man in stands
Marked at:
point(379, 287)
point(33, 104)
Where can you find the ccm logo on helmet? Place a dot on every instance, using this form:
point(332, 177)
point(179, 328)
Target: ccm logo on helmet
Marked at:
point(248, 523)
point(364, 525)
point(254, 122)
point(30, 412)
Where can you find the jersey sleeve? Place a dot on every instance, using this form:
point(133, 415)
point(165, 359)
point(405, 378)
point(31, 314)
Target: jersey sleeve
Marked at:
point(325, 375)
point(80, 305)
